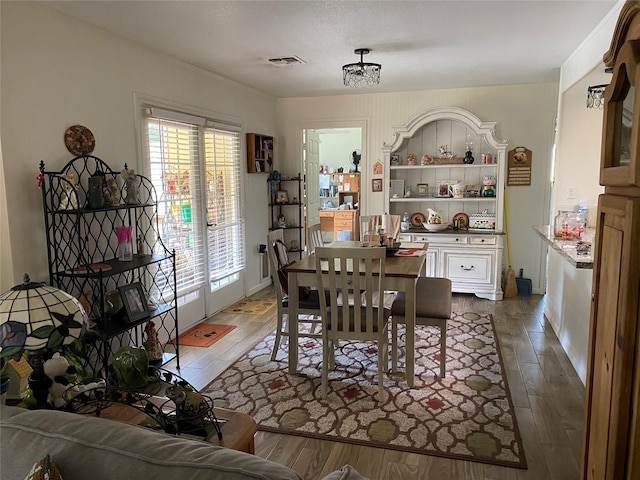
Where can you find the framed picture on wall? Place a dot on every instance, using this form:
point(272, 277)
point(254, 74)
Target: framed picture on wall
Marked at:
point(376, 185)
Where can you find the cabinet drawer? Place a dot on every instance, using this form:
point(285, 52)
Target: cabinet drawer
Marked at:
point(347, 215)
point(488, 240)
point(341, 224)
point(432, 239)
point(463, 267)
point(326, 214)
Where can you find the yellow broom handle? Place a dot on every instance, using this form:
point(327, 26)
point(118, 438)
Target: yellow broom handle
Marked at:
point(506, 224)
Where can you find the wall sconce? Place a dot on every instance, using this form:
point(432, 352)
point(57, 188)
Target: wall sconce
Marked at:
point(595, 96)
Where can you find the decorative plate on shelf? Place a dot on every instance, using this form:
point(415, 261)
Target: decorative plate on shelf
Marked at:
point(463, 220)
point(417, 219)
point(79, 140)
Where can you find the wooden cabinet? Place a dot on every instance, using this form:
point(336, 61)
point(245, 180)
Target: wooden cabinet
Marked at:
point(339, 221)
point(612, 414)
point(472, 261)
point(475, 264)
point(259, 153)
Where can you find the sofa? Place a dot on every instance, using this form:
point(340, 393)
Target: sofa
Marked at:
point(84, 446)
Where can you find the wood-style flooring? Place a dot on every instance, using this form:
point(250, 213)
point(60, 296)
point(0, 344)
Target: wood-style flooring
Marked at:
point(547, 393)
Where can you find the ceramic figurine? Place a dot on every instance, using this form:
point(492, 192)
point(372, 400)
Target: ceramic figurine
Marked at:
point(131, 186)
point(69, 197)
point(426, 160)
point(152, 344)
point(411, 159)
point(489, 186)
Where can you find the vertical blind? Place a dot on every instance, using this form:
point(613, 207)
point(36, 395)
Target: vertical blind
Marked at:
point(196, 170)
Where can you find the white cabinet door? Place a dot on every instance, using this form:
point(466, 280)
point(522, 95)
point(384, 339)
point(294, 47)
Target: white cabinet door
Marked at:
point(465, 267)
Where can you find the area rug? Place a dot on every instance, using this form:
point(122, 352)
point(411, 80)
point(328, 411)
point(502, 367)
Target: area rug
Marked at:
point(203, 334)
point(251, 306)
point(467, 415)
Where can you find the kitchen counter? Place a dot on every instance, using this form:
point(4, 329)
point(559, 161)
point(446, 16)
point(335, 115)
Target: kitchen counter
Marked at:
point(568, 248)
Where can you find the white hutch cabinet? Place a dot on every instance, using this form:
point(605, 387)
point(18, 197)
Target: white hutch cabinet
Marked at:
point(470, 258)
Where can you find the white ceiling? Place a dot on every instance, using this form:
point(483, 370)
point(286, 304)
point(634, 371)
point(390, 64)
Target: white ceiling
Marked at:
point(421, 45)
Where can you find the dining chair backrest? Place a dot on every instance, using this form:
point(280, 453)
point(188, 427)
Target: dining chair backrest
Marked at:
point(314, 238)
point(369, 226)
point(354, 280)
point(272, 239)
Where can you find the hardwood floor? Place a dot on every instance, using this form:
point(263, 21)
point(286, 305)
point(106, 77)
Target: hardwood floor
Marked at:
point(547, 393)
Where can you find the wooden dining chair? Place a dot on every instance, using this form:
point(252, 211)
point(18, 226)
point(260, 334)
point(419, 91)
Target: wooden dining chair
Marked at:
point(369, 226)
point(433, 309)
point(349, 273)
point(314, 238)
point(309, 307)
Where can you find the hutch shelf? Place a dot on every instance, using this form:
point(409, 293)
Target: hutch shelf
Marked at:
point(470, 257)
point(82, 250)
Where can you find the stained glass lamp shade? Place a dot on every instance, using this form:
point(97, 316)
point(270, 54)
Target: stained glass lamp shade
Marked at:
point(40, 319)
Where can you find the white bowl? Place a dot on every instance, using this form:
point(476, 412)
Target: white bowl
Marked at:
point(435, 227)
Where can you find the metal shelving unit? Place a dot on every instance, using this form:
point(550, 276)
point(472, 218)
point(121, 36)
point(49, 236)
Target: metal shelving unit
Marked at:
point(82, 250)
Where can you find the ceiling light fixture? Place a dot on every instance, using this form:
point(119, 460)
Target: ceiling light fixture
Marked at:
point(361, 74)
point(595, 96)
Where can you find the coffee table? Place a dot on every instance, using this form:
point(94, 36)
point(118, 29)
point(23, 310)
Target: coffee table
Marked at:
point(152, 405)
point(238, 429)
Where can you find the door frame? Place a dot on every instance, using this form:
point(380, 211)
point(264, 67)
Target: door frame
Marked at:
point(357, 122)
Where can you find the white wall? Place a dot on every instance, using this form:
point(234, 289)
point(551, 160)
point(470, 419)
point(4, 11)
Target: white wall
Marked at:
point(58, 71)
point(577, 166)
point(336, 147)
point(525, 116)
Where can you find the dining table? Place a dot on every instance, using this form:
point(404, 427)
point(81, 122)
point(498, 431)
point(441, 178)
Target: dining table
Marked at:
point(401, 274)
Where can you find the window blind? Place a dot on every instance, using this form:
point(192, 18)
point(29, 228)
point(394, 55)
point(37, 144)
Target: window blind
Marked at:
point(174, 157)
point(195, 165)
point(224, 203)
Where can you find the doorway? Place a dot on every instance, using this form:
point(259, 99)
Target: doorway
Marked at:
point(328, 150)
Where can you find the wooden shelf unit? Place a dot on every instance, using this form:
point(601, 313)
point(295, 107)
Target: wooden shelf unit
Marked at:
point(259, 153)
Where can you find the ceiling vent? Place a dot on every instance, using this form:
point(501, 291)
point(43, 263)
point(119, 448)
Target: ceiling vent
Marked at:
point(285, 61)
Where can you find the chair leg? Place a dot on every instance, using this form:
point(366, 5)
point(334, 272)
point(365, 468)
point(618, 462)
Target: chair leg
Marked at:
point(276, 343)
point(394, 345)
point(325, 367)
point(443, 348)
point(383, 363)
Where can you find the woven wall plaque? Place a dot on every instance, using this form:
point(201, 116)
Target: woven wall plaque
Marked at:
point(519, 167)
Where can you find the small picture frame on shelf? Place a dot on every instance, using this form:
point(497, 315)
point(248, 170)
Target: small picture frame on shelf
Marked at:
point(376, 185)
point(443, 190)
point(134, 301)
point(282, 196)
point(423, 189)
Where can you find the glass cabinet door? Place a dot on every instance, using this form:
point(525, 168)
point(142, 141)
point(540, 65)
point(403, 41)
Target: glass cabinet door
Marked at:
point(619, 165)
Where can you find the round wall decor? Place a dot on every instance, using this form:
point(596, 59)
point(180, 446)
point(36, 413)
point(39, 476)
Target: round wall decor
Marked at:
point(79, 140)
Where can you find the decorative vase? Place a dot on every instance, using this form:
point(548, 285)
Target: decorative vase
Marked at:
point(468, 157)
point(125, 246)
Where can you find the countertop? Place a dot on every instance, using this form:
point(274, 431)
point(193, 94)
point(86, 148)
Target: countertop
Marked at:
point(568, 248)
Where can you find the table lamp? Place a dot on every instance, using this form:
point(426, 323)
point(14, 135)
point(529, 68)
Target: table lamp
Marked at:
point(41, 320)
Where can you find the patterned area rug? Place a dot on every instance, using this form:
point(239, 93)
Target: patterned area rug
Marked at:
point(203, 334)
point(251, 306)
point(467, 415)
